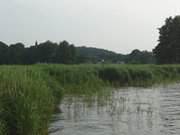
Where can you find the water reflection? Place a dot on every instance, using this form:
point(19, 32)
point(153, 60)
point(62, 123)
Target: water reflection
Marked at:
point(129, 111)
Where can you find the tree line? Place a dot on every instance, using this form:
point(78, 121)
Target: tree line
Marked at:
point(95, 55)
point(166, 52)
point(47, 52)
point(66, 53)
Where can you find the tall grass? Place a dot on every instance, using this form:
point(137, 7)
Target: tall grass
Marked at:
point(28, 94)
point(139, 75)
point(26, 102)
point(75, 79)
point(81, 78)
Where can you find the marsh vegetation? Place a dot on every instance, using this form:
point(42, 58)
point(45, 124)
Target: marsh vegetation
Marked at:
point(30, 94)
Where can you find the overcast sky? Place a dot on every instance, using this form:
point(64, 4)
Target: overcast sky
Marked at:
point(118, 25)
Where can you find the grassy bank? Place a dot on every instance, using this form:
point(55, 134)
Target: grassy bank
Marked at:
point(90, 78)
point(26, 101)
point(29, 94)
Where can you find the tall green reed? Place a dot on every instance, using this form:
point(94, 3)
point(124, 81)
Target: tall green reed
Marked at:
point(25, 100)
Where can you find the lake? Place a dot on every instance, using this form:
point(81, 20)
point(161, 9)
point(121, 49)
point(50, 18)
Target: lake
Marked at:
point(125, 111)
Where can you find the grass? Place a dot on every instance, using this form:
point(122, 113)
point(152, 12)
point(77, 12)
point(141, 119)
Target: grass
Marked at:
point(29, 94)
point(26, 101)
point(90, 78)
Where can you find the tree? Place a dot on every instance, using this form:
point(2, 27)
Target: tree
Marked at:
point(16, 53)
point(65, 53)
point(140, 57)
point(3, 52)
point(45, 52)
point(168, 48)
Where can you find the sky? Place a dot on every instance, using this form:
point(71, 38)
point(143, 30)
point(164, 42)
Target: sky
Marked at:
point(117, 25)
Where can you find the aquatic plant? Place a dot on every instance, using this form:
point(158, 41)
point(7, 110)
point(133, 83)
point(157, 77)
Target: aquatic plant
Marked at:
point(26, 101)
point(29, 94)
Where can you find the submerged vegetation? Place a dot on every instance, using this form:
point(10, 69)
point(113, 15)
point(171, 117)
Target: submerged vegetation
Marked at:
point(29, 94)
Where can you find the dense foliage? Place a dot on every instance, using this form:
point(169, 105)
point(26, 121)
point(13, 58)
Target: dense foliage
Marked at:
point(66, 53)
point(96, 55)
point(168, 49)
point(47, 52)
point(26, 101)
point(140, 57)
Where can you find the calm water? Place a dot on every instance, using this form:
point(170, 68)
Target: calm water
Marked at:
point(128, 111)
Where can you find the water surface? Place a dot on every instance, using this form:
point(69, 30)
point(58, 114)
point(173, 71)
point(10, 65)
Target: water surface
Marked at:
point(127, 111)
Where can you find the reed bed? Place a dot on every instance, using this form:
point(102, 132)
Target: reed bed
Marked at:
point(81, 78)
point(26, 101)
point(29, 94)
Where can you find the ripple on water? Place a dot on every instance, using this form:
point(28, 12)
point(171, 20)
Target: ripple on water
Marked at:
point(128, 111)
